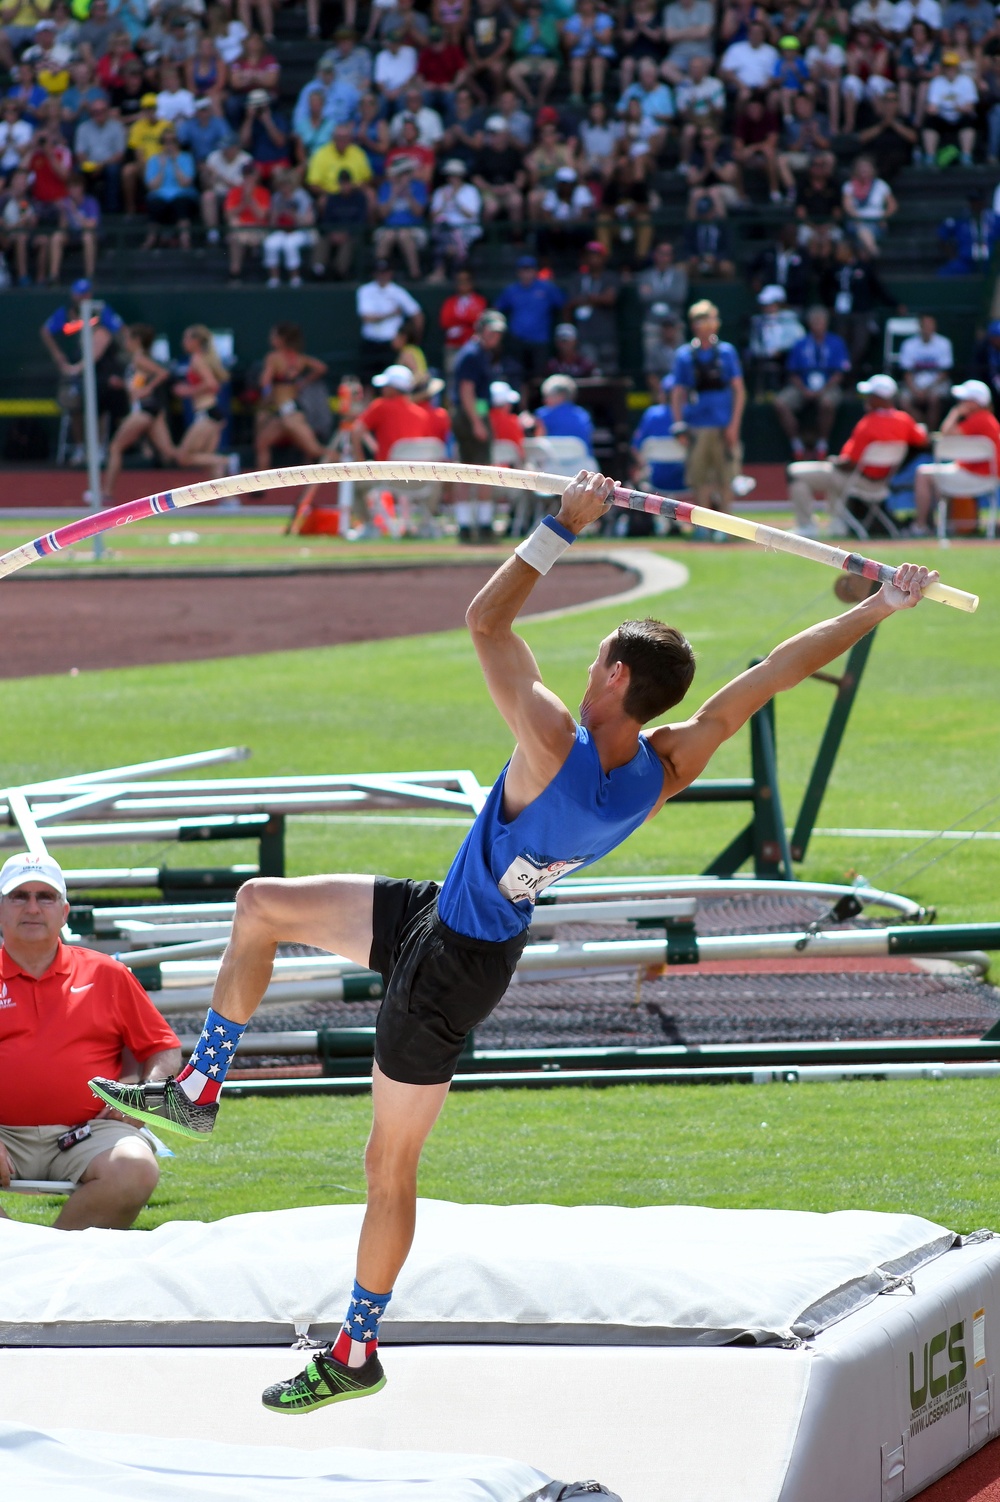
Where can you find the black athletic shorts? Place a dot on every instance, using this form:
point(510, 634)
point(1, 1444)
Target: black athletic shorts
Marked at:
point(439, 985)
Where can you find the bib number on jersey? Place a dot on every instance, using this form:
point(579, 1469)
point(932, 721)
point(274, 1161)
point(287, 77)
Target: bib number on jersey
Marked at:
point(528, 874)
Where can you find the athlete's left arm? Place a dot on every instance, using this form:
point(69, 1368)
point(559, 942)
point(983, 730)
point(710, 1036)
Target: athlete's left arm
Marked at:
point(686, 749)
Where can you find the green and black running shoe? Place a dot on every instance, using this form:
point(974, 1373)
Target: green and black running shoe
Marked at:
point(160, 1102)
point(324, 1381)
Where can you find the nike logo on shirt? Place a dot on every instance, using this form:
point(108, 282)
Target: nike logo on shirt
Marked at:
point(81, 988)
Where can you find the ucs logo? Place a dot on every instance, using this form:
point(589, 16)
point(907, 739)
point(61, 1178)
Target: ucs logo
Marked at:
point(936, 1380)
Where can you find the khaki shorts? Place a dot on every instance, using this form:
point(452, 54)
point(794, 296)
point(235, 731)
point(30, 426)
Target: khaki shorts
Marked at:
point(34, 1154)
point(794, 398)
point(709, 460)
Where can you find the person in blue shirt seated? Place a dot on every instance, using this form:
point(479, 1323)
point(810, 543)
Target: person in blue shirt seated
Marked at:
point(530, 306)
point(658, 422)
point(708, 398)
point(561, 417)
point(815, 368)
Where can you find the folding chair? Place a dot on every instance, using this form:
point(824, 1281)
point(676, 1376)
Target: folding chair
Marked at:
point(869, 494)
point(505, 454)
point(660, 451)
point(896, 330)
point(54, 1187)
point(418, 500)
point(953, 449)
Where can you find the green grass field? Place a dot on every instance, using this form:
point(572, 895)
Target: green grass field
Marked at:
point(920, 753)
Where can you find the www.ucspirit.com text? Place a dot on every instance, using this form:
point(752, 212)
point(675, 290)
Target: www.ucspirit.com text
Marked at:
point(938, 1410)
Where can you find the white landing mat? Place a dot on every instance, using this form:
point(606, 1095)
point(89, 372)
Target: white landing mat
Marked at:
point(548, 1274)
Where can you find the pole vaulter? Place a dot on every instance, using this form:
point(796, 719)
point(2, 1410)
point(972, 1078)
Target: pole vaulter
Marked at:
point(773, 539)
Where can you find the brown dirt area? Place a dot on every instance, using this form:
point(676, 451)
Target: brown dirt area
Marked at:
point(113, 622)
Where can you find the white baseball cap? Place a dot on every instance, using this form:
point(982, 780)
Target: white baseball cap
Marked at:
point(399, 377)
point(771, 294)
point(500, 393)
point(565, 174)
point(974, 391)
point(878, 385)
point(26, 867)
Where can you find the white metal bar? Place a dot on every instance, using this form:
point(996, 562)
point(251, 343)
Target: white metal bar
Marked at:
point(27, 829)
point(143, 768)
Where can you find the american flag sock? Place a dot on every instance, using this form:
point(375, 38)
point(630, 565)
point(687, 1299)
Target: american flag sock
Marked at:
point(359, 1338)
point(202, 1076)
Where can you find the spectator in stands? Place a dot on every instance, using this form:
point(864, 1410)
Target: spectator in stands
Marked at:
point(15, 138)
point(401, 205)
point(94, 35)
point(111, 67)
point(351, 62)
point(883, 422)
point(472, 375)
point(755, 140)
point(662, 288)
point(49, 57)
point(711, 173)
point(341, 94)
point(592, 302)
point(173, 102)
point(458, 316)
point(145, 138)
point(826, 61)
point(265, 134)
point(79, 221)
point(382, 308)
point(392, 417)
point(74, 104)
point(927, 361)
point(708, 398)
point(99, 1013)
point(456, 219)
point(561, 416)
point(868, 73)
point(488, 47)
point(292, 220)
point(247, 209)
point(254, 70)
point(529, 306)
point(803, 138)
point(707, 246)
point(566, 211)
point(687, 29)
point(977, 15)
point(656, 101)
point(791, 74)
point(782, 263)
point(171, 191)
point(341, 154)
point(748, 66)
point(660, 356)
point(853, 289)
point(588, 42)
point(700, 99)
point(917, 63)
point(550, 154)
point(569, 359)
point(775, 329)
point(50, 165)
point(441, 65)
point(147, 382)
point(868, 205)
point(429, 125)
point(600, 141)
point(817, 196)
point(421, 159)
point(624, 219)
point(99, 148)
point(535, 47)
point(342, 217)
point(952, 100)
point(28, 92)
point(220, 174)
point(395, 65)
point(372, 133)
point(971, 417)
point(499, 175)
point(640, 35)
point(287, 370)
point(18, 223)
point(815, 367)
point(971, 236)
point(204, 133)
point(889, 141)
point(205, 73)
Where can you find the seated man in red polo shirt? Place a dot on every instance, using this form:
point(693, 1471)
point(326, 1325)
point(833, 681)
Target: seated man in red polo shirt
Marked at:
point(883, 422)
point(392, 416)
point(971, 417)
point(67, 1014)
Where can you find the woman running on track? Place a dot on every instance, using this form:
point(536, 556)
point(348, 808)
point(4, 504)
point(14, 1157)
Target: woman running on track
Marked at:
point(286, 370)
point(205, 378)
point(149, 393)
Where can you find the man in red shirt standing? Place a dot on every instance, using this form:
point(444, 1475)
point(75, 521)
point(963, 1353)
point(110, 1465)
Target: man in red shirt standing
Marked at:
point(971, 417)
point(883, 422)
point(65, 1014)
point(392, 416)
point(458, 317)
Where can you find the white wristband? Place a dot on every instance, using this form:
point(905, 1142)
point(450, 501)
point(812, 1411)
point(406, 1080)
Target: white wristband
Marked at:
point(548, 542)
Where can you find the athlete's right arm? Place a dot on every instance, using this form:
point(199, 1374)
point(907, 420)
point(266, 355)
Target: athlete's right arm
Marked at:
point(541, 723)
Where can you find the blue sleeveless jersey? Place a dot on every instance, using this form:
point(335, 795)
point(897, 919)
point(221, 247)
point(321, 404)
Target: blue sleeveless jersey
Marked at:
point(494, 880)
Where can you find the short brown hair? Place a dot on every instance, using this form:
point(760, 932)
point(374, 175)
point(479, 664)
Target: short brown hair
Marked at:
point(660, 663)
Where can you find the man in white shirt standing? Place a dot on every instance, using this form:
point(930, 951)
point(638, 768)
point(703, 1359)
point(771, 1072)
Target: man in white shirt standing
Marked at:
point(926, 360)
point(383, 307)
point(951, 111)
point(749, 65)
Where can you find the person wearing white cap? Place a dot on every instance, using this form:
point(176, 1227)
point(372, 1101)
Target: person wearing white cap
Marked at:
point(499, 173)
point(392, 417)
point(505, 425)
point(567, 211)
point(456, 219)
point(67, 1013)
point(775, 329)
point(883, 422)
point(971, 417)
